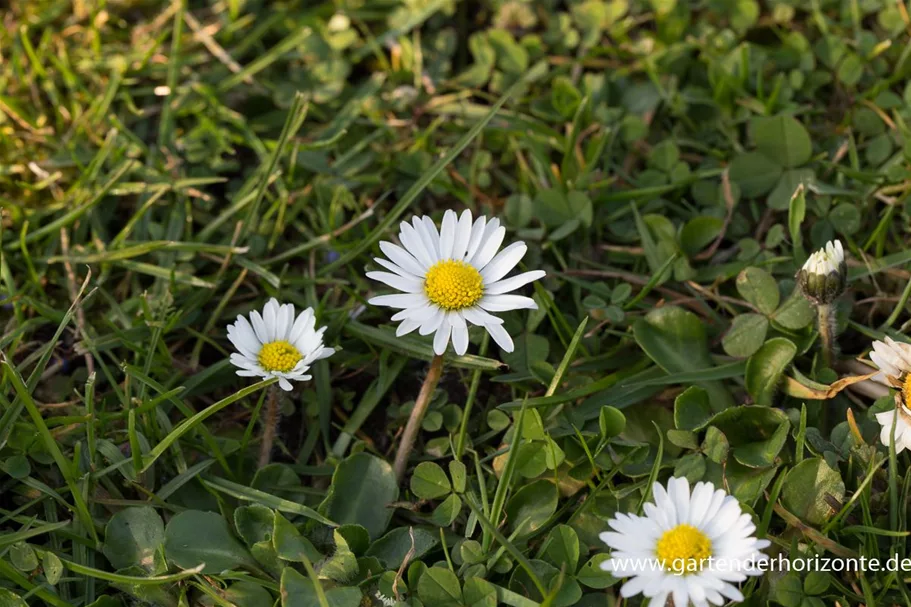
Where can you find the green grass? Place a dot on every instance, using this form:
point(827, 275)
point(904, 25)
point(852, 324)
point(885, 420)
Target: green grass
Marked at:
point(166, 166)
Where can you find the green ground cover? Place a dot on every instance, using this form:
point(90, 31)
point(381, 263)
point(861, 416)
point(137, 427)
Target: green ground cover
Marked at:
point(168, 166)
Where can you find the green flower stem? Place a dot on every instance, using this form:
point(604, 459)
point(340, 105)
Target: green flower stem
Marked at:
point(270, 426)
point(417, 416)
point(472, 394)
point(826, 321)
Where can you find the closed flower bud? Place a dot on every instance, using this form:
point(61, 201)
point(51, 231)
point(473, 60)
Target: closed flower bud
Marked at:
point(823, 277)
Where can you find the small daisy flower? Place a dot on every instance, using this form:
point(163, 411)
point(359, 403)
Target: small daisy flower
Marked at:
point(893, 359)
point(452, 278)
point(276, 344)
point(824, 275)
point(690, 546)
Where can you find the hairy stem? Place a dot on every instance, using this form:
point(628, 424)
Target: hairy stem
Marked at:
point(826, 321)
point(417, 416)
point(270, 426)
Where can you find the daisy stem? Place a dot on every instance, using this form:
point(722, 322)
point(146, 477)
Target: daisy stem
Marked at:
point(417, 416)
point(827, 333)
point(270, 426)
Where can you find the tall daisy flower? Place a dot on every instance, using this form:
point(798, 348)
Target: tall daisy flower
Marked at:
point(452, 278)
point(690, 546)
point(893, 359)
point(276, 344)
point(822, 280)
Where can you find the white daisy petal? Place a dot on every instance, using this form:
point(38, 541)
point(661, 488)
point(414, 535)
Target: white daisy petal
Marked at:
point(407, 326)
point(501, 337)
point(302, 324)
point(419, 314)
point(408, 285)
point(402, 258)
point(322, 353)
point(476, 237)
point(659, 600)
point(402, 300)
point(489, 247)
point(431, 232)
point(448, 234)
point(459, 333)
point(504, 262)
point(441, 338)
point(505, 303)
point(902, 352)
point(884, 363)
point(242, 336)
point(886, 420)
point(413, 243)
point(513, 282)
point(270, 318)
point(259, 327)
point(480, 318)
point(433, 322)
point(241, 346)
point(680, 595)
point(393, 268)
point(462, 236)
point(427, 240)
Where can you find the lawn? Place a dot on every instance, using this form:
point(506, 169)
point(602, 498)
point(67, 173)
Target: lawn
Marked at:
point(454, 303)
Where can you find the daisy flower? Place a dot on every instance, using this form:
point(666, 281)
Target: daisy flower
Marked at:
point(824, 275)
point(276, 344)
point(452, 278)
point(893, 359)
point(690, 546)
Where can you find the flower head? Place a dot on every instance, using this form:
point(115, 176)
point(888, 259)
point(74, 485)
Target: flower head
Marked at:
point(692, 546)
point(452, 278)
point(893, 359)
point(823, 277)
point(276, 344)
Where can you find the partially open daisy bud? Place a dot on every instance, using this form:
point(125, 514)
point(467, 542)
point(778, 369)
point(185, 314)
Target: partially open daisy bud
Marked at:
point(277, 344)
point(823, 277)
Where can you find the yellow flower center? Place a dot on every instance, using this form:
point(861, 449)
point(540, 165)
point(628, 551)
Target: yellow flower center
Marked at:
point(453, 285)
point(279, 356)
point(906, 390)
point(683, 549)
